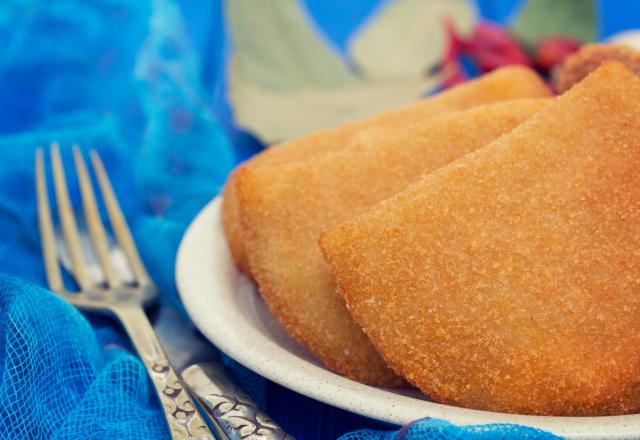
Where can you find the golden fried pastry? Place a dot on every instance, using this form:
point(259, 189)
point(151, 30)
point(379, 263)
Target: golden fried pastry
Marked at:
point(509, 280)
point(500, 85)
point(588, 58)
point(284, 208)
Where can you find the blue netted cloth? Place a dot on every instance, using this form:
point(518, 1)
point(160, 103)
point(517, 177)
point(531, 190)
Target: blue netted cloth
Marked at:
point(118, 76)
point(61, 380)
point(436, 429)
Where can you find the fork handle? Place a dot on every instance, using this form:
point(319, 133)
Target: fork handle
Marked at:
point(183, 418)
point(231, 409)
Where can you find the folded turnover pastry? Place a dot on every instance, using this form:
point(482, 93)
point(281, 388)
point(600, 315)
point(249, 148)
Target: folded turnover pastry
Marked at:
point(509, 280)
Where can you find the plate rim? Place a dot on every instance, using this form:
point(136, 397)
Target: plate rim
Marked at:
point(337, 390)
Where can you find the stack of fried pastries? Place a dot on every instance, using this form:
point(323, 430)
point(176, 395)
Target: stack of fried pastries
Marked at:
point(483, 244)
point(285, 208)
point(277, 205)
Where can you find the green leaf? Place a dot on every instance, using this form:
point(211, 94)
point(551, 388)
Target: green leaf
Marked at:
point(408, 36)
point(274, 115)
point(285, 81)
point(276, 47)
point(541, 18)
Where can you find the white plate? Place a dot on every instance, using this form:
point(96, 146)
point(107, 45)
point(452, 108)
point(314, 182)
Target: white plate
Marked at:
point(225, 306)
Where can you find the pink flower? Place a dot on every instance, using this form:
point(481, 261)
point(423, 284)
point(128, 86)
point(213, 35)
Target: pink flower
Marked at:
point(552, 51)
point(491, 46)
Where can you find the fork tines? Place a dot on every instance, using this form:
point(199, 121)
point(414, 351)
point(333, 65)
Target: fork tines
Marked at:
point(95, 226)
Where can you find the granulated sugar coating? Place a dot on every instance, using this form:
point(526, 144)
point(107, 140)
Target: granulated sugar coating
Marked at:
point(285, 208)
point(501, 85)
point(509, 280)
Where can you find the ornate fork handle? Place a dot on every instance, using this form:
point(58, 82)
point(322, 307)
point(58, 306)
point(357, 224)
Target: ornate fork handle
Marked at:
point(183, 418)
point(235, 412)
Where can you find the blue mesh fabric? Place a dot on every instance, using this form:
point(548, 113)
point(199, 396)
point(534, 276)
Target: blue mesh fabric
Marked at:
point(118, 76)
point(435, 429)
point(59, 381)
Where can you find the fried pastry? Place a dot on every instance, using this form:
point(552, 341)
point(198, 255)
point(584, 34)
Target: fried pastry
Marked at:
point(502, 84)
point(509, 280)
point(588, 58)
point(284, 208)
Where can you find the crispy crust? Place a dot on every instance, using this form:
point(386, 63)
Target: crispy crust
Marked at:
point(231, 223)
point(509, 279)
point(512, 82)
point(284, 208)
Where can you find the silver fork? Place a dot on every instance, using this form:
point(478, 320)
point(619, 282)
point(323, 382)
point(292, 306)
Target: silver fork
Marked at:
point(116, 296)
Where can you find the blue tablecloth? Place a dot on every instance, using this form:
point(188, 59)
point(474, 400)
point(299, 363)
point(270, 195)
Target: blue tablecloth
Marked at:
point(124, 77)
